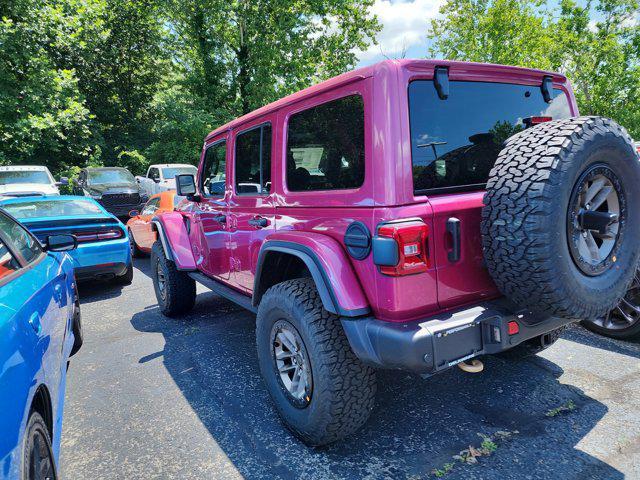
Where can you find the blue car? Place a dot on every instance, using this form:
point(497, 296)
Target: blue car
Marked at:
point(39, 330)
point(103, 243)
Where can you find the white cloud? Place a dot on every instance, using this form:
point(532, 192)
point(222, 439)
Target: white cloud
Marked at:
point(404, 25)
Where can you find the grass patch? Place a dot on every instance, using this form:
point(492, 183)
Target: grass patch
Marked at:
point(564, 408)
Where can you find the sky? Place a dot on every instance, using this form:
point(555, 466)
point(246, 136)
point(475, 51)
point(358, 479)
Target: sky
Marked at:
point(404, 27)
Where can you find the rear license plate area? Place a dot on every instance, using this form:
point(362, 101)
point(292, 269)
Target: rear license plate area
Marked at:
point(454, 345)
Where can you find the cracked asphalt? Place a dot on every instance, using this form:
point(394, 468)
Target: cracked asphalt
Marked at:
point(151, 397)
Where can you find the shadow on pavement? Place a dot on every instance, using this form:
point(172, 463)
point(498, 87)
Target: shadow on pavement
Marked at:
point(418, 425)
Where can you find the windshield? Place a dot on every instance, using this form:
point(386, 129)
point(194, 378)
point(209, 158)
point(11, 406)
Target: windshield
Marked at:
point(110, 176)
point(28, 176)
point(455, 142)
point(53, 208)
point(169, 173)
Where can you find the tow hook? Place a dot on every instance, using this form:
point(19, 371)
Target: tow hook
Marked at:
point(476, 366)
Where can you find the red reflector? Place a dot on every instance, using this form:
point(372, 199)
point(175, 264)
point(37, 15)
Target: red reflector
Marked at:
point(513, 328)
point(413, 250)
point(529, 121)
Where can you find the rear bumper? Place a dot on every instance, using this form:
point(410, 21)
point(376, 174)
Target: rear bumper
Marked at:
point(436, 343)
point(103, 272)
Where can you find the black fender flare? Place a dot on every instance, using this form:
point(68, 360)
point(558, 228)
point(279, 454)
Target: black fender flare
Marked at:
point(166, 246)
point(320, 277)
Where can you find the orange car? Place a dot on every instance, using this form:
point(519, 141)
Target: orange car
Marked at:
point(141, 236)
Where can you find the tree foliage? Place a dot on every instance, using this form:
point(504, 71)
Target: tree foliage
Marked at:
point(596, 44)
point(130, 82)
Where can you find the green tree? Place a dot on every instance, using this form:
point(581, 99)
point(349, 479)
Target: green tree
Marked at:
point(595, 44)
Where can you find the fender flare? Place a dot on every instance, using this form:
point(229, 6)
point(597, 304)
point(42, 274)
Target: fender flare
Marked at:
point(166, 246)
point(318, 273)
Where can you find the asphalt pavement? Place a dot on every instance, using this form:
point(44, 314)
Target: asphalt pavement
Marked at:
point(152, 397)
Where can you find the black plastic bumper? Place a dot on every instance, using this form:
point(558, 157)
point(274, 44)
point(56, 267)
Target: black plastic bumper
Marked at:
point(436, 343)
point(103, 272)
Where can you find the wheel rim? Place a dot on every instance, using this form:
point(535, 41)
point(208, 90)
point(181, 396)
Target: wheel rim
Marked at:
point(292, 363)
point(40, 460)
point(627, 313)
point(162, 280)
point(132, 245)
point(596, 220)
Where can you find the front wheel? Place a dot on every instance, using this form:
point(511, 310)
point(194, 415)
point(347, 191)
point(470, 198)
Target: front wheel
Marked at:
point(135, 250)
point(175, 290)
point(321, 390)
point(37, 456)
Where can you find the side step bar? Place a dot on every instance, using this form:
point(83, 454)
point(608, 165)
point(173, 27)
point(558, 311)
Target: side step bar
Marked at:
point(227, 292)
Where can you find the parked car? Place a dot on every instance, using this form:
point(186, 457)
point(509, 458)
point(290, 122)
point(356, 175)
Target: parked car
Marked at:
point(25, 180)
point(411, 215)
point(161, 178)
point(141, 234)
point(622, 321)
point(103, 243)
point(40, 328)
point(114, 188)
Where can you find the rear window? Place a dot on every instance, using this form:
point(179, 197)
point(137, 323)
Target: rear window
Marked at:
point(455, 142)
point(76, 207)
point(253, 161)
point(325, 146)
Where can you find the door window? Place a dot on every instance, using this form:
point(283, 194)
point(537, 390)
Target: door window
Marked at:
point(213, 171)
point(151, 206)
point(253, 161)
point(325, 146)
point(154, 174)
point(8, 263)
point(25, 245)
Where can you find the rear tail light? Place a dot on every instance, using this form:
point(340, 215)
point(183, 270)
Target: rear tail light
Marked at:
point(513, 328)
point(111, 234)
point(402, 248)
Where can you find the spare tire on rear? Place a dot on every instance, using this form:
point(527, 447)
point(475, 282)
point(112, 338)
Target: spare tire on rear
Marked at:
point(561, 221)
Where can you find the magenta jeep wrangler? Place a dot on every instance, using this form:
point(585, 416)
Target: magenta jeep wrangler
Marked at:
point(409, 215)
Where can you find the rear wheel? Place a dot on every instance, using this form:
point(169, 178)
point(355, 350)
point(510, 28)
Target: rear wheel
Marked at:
point(320, 388)
point(623, 322)
point(127, 277)
point(135, 250)
point(37, 457)
point(175, 290)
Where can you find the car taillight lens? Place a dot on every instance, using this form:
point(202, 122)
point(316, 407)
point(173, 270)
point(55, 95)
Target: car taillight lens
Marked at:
point(413, 250)
point(111, 234)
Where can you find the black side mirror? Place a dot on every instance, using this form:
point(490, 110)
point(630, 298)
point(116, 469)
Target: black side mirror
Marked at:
point(61, 243)
point(157, 180)
point(64, 181)
point(186, 186)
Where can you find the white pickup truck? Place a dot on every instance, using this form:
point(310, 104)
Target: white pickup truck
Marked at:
point(28, 180)
point(160, 178)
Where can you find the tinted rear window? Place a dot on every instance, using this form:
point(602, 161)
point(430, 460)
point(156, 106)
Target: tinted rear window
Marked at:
point(455, 142)
point(325, 146)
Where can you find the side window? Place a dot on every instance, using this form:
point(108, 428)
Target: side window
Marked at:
point(25, 244)
point(154, 174)
point(151, 206)
point(253, 161)
point(325, 146)
point(8, 263)
point(213, 171)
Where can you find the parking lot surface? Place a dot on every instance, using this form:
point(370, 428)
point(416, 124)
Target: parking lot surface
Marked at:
point(152, 397)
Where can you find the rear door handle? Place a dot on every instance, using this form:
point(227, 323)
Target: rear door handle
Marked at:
point(453, 228)
point(259, 222)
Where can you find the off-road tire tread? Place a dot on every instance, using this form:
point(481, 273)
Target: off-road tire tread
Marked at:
point(181, 288)
point(519, 195)
point(353, 384)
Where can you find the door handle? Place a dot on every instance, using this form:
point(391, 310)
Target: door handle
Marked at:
point(259, 222)
point(34, 321)
point(453, 228)
point(220, 218)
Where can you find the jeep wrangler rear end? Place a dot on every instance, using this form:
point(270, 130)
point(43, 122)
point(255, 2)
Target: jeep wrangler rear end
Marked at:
point(410, 215)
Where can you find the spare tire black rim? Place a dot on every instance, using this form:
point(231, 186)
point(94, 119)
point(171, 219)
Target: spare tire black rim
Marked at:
point(596, 219)
point(627, 313)
point(292, 363)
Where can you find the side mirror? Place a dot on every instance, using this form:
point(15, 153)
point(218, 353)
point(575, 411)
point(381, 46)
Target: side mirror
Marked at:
point(64, 181)
point(157, 180)
point(134, 213)
point(186, 185)
point(61, 243)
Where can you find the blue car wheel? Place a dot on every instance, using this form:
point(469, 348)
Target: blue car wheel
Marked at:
point(37, 456)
